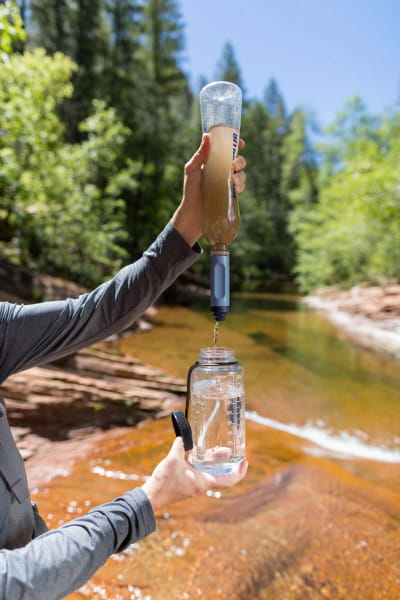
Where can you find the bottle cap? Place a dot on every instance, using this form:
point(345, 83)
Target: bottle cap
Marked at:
point(182, 428)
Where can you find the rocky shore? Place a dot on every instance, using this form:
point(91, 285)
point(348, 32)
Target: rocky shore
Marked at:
point(368, 314)
point(61, 410)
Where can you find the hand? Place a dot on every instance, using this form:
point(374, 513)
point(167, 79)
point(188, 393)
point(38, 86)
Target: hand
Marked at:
point(187, 216)
point(175, 479)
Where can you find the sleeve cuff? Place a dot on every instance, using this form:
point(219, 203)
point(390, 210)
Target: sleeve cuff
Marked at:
point(196, 248)
point(143, 511)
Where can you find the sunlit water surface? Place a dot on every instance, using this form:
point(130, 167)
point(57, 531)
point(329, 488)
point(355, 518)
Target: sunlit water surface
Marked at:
point(318, 515)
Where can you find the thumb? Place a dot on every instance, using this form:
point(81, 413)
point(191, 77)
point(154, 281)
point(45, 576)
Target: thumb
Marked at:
point(200, 157)
point(177, 450)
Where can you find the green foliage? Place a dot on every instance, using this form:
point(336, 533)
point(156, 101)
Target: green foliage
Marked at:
point(60, 205)
point(11, 28)
point(353, 233)
point(95, 132)
point(78, 29)
point(53, 26)
point(122, 70)
point(163, 105)
point(252, 255)
point(277, 152)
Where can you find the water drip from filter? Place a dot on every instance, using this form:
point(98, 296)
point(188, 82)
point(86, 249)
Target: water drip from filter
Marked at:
point(216, 331)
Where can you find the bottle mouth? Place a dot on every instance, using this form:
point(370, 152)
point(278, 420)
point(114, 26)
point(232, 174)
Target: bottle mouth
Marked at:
point(219, 250)
point(217, 353)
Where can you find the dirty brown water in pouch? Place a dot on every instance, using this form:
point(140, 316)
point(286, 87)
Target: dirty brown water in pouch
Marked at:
point(317, 516)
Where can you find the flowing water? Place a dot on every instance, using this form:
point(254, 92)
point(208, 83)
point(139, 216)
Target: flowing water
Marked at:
point(216, 332)
point(318, 515)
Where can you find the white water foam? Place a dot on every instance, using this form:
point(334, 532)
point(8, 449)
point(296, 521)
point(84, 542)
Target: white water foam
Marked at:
point(343, 444)
point(117, 474)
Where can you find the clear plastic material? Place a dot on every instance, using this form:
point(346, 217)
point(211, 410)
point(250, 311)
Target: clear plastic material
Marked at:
point(216, 411)
point(220, 104)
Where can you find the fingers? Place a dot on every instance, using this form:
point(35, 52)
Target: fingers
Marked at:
point(239, 163)
point(239, 176)
point(226, 481)
point(239, 179)
point(206, 481)
point(200, 157)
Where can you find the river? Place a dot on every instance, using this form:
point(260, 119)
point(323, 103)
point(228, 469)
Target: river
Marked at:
point(317, 516)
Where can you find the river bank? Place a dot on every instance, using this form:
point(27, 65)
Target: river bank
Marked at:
point(368, 314)
point(62, 410)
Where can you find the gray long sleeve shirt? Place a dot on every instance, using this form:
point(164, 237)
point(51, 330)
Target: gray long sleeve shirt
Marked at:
point(59, 561)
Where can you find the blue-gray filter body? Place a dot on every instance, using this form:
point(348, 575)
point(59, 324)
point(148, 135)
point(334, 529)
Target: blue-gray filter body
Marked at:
point(220, 299)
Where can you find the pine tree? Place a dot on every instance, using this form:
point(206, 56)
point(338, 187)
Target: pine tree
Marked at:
point(163, 107)
point(255, 122)
point(77, 29)
point(50, 25)
point(23, 9)
point(228, 69)
point(265, 128)
point(299, 167)
point(90, 41)
point(123, 70)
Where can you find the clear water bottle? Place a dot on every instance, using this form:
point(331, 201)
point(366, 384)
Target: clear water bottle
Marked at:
point(215, 410)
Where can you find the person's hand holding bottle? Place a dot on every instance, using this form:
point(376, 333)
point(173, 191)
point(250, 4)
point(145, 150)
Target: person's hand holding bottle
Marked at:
point(175, 479)
point(187, 216)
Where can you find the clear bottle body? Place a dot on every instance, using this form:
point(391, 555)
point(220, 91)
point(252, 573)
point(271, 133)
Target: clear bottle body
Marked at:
point(216, 411)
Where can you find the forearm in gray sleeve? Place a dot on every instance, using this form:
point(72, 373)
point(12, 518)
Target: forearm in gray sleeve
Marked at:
point(60, 561)
point(34, 334)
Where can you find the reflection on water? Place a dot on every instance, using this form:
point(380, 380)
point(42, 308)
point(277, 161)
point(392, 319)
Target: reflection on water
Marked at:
point(318, 515)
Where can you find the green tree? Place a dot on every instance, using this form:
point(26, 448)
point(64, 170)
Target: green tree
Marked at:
point(299, 168)
point(11, 27)
point(122, 69)
point(273, 139)
point(228, 69)
point(164, 106)
point(23, 10)
point(128, 53)
point(90, 48)
point(78, 29)
point(353, 233)
point(265, 128)
point(51, 26)
point(60, 207)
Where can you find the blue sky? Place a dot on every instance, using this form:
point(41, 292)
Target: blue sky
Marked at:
point(321, 52)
